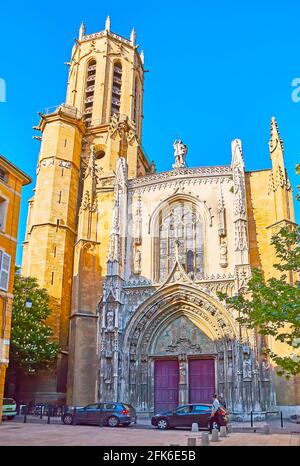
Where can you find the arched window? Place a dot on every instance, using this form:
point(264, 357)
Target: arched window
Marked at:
point(89, 92)
point(116, 89)
point(180, 223)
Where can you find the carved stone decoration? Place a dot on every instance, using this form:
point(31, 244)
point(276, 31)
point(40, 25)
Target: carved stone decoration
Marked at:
point(241, 235)
point(121, 125)
point(64, 164)
point(243, 274)
point(223, 253)
point(184, 345)
point(48, 162)
point(87, 203)
point(182, 337)
point(89, 199)
point(180, 151)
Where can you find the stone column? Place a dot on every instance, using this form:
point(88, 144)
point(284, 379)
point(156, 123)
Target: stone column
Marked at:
point(183, 379)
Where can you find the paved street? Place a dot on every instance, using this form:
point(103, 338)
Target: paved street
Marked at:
point(18, 433)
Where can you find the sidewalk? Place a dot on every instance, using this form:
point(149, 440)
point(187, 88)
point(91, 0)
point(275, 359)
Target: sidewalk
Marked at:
point(34, 434)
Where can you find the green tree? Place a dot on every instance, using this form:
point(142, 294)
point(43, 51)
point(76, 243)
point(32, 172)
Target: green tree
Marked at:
point(273, 306)
point(31, 348)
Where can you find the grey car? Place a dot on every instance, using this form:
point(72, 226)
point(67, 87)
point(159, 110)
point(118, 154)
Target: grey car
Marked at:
point(109, 414)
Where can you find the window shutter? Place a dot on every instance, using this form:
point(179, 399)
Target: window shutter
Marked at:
point(4, 276)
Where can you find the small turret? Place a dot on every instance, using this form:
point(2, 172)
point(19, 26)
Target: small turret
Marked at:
point(133, 37)
point(81, 31)
point(107, 24)
point(142, 56)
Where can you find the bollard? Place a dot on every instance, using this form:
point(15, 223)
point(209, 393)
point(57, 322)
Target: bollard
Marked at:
point(215, 435)
point(251, 414)
point(266, 429)
point(204, 439)
point(48, 419)
point(223, 431)
point(281, 419)
point(195, 427)
point(191, 441)
point(41, 412)
point(25, 414)
point(74, 418)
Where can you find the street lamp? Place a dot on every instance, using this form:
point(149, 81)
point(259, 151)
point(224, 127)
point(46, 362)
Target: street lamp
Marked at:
point(28, 303)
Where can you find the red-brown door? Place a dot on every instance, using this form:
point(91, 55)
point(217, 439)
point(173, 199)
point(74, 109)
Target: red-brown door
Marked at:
point(201, 380)
point(166, 380)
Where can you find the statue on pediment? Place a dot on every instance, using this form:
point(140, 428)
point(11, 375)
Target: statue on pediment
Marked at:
point(180, 151)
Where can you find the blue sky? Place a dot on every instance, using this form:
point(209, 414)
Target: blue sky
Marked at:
point(217, 71)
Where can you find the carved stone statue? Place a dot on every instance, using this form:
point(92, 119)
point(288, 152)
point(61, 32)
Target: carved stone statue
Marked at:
point(152, 167)
point(108, 372)
point(180, 151)
point(110, 320)
point(137, 261)
point(247, 372)
point(265, 366)
point(223, 253)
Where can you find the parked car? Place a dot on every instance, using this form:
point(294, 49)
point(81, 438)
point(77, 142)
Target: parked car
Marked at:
point(9, 408)
point(109, 414)
point(186, 415)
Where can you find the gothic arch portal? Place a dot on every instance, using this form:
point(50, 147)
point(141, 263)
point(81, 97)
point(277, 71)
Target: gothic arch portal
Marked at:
point(210, 333)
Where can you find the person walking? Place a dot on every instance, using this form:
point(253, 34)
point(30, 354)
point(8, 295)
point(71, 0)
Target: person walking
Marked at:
point(214, 412)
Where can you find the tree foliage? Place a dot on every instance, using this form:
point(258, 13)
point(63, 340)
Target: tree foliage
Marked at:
point(31, 347)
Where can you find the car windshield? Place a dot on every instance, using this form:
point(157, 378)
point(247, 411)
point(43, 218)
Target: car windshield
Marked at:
point(9, 401)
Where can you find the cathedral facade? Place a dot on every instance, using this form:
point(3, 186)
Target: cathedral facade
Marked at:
point(134, 259)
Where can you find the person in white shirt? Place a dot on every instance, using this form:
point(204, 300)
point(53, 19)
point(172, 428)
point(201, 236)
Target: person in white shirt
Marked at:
point(214, 410)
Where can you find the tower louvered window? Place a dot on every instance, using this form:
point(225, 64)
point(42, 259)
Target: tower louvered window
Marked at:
point(116, 89)
point(89, 92)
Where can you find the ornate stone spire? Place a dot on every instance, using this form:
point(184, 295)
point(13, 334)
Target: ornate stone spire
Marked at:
point(107, 23)
point(133, 36)
point(275, 140)
point(81, 31)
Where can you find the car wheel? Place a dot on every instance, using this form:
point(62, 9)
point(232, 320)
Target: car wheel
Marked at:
point(162, 424)
point(113, 421)
point(67, 419)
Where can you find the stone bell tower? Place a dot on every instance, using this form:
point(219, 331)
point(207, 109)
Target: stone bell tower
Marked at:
point(106, 81)
point(69, 217)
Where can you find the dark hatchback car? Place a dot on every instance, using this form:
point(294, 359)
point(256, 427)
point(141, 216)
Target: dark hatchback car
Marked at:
point(186, 415)
point(107, 414)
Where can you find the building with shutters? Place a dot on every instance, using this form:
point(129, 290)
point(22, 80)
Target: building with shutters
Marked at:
point(134, 259)
point(12, 179)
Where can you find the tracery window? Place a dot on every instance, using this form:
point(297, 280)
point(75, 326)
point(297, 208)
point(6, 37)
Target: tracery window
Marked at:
point(180, 226)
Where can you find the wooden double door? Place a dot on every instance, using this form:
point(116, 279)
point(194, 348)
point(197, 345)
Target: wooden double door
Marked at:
point(200, 382)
